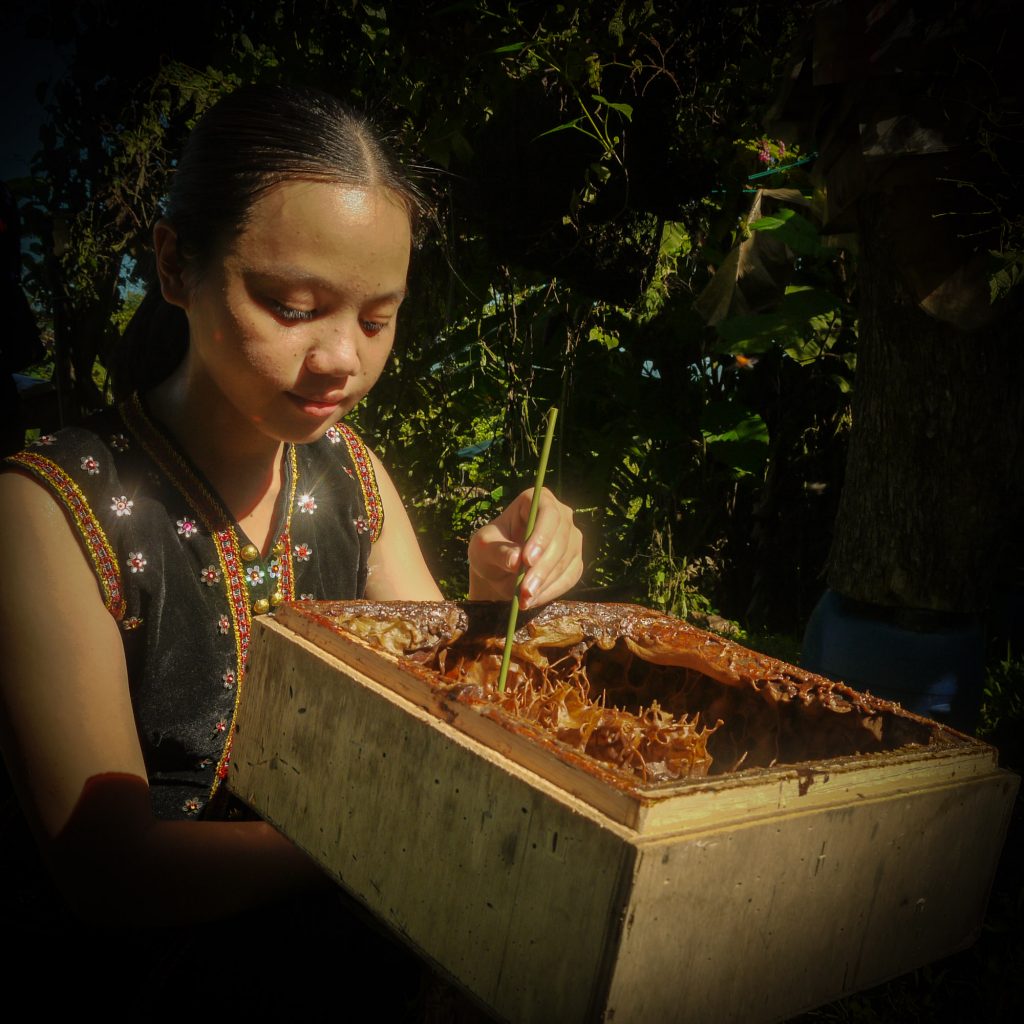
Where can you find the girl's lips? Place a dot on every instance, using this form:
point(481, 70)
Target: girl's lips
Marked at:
point(316, 406)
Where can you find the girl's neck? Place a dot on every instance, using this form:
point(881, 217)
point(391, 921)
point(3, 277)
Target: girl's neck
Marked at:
point(243, 465)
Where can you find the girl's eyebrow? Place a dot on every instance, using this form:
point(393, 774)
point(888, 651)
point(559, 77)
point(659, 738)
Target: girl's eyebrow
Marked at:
point(288, 274)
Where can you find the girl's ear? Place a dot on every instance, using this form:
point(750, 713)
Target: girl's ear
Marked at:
point(169, 267)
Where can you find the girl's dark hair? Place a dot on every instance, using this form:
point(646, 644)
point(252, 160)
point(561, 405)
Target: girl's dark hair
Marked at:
point(251, 140)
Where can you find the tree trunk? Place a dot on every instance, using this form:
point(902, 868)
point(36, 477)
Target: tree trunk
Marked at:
point(932, 497)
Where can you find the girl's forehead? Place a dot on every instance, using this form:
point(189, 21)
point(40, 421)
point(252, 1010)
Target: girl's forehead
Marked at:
point(325, 225)
point(328, 202)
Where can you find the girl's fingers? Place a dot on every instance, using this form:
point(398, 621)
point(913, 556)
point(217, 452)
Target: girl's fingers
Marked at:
point(552, 556)
point(559, 568)
point(554, 587)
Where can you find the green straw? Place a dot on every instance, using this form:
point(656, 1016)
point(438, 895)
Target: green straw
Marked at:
point(538, 485)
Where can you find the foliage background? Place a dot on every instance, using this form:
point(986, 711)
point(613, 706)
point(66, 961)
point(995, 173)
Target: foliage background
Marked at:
point(613, 232)
point(590, 168)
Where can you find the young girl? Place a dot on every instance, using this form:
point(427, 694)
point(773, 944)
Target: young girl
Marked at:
point(139, 547)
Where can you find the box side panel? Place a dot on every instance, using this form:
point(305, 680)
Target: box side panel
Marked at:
point(481, 868)
point(758, 922)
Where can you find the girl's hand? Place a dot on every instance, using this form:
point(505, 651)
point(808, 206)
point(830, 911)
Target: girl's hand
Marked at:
point(553, 556)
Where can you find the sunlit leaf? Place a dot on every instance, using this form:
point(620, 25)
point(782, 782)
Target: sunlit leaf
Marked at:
point(792, 228)
point(1006, 273)
point(623, 108)
point(598, 334)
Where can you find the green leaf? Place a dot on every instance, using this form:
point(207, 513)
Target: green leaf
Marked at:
point(801, 302)
point(729, 420)
point(610, 341)
point(674, 239)
point(623, 108)
point(509, 48)
point(616, 26)
point(735, 437)
point(757, 332)
point(1006, 272)
point(560, 128)
point(793, 230)
point(749, 335)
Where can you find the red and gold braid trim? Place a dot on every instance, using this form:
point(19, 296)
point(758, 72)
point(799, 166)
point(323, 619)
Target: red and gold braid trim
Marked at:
point(101, 554)
point(238, 600)
point(360, 456)
point(287, 583)
point(227, 549)
point(218, 524)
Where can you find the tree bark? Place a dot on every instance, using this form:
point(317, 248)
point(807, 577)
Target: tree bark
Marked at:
point(932, 498)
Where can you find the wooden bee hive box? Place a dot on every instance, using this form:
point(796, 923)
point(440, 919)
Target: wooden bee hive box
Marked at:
point(817, 842)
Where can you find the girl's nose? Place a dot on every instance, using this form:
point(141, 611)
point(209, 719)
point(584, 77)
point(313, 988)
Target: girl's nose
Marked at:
point(334, 353)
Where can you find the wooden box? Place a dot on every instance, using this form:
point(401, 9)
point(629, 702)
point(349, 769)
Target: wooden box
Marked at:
point(556, 887)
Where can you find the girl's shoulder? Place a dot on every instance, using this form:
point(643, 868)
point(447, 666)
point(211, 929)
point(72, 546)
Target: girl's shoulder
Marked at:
point(84, 452)
point(84, 464)
point(91, 471)
point(341, 448)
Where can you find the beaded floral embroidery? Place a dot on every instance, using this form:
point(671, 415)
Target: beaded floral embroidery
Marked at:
point(228, 679)
point(210, 575)
point(119, 442)
point(333, 435)
point(307, 503)
point(187, 527)
point(135, 561)
point(192, 805)
point(255, 575)
point(90, 465)
point(101, 553)
point(223, 625)
point(122, 506)
point(132, 622)
point(302, 552)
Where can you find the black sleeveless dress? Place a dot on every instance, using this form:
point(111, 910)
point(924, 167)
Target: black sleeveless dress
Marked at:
point(184, 583)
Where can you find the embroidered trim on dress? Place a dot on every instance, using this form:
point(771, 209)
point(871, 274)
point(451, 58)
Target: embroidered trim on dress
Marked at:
point(98, 547)
point(367, 480)
point(287, 578)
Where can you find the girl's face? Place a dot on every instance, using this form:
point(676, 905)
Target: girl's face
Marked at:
point(294, 325)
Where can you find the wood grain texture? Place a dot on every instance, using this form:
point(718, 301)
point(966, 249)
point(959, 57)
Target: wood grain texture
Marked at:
point(759, 922)
point(490, 873)
point(753, 898)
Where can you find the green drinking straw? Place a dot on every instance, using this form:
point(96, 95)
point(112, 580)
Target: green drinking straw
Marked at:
point(506, 656)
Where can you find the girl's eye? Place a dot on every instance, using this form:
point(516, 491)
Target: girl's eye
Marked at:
point(290, 313)
point(373, 326)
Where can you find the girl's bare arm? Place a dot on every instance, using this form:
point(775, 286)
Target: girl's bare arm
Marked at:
point(70, 742)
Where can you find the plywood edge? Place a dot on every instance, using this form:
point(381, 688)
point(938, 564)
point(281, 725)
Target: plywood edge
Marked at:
point(455, 735)
point(699, 830)
point(813, 785)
